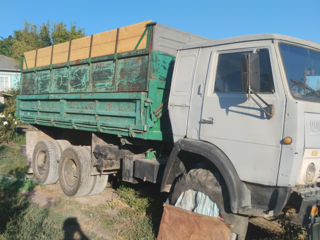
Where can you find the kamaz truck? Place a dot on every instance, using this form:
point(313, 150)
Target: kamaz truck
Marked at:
point(232, 122)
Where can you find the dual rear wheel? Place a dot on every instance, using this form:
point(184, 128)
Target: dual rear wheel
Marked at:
point(71, 165)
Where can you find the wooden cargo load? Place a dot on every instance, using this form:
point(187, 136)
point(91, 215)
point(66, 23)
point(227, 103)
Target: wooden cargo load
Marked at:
point(120, 40)
point(113, 82)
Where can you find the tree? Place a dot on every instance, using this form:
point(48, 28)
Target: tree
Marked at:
point(60, 33)
point(44, 35)
point(32, 37)
point(6, 46)
point(25, 40)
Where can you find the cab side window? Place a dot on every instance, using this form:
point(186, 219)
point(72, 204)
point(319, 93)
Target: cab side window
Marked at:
point(232, 69)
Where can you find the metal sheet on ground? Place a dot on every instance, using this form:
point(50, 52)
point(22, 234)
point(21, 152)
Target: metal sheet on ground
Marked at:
point(179, 224)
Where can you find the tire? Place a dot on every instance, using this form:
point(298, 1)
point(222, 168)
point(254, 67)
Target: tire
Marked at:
point(99, 184)
point(46, 155)
point(204, 181)
point(75, 171)
point(63, 144)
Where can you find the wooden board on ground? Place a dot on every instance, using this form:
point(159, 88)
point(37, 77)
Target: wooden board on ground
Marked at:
point(180, 224)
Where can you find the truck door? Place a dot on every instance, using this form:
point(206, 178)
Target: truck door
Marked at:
point(235, 123)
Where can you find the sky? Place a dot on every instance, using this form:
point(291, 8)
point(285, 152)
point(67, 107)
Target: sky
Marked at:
point(213, 19)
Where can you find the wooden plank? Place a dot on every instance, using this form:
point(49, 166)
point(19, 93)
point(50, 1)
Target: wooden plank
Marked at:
point(130, 35)
point(179, 224)
point(104, 43)
point(30, 59)
point(44, 56)
point(80, 48)
point(60, 53)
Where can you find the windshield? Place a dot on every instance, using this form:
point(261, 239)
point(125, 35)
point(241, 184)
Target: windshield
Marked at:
point(302, 67)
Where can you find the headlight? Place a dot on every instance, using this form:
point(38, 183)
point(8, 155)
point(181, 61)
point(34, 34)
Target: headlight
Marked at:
point(310, 173)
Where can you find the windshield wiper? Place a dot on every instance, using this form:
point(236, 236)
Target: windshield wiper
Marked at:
point(305, 86)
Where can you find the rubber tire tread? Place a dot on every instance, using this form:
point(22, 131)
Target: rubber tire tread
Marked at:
point(53, 154)
point(81, 156)
point(99, 184)
point(206, 182)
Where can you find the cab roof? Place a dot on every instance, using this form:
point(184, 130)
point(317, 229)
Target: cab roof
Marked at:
point(252, 37)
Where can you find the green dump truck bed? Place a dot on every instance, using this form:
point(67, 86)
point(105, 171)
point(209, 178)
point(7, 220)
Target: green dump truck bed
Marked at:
point(115, 82)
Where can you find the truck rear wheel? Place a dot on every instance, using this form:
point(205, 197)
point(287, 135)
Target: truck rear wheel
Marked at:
point(99, 184)
point(205, 182)
point(46, 155)
point(75, 171)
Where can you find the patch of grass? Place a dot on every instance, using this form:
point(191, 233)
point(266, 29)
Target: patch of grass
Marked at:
point(32, 223)
point(146, 205)
point(19, 139)
point(133, 198)
point(136, 225)
point(11, 161)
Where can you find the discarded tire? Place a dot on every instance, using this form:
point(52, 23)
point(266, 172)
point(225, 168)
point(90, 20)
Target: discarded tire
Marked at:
point(46, 155)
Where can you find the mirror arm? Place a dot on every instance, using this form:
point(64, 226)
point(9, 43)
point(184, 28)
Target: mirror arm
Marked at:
point(270, 107)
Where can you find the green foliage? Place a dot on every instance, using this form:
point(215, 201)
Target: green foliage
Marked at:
point(60, 33)
point(44, 35)
point(6, 46)
point(8, 122)
point(32, 37)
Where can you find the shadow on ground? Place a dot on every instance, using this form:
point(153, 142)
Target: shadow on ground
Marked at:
point(72, 230)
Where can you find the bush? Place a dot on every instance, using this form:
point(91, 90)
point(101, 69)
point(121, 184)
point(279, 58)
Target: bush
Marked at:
point(8, 122)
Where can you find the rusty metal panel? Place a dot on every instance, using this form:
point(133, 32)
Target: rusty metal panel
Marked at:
point(60, 80)
point(44, 78)
point(79, 78)
point(132, 74)
point(102, 76)
point(29, 83)
point(89, 100)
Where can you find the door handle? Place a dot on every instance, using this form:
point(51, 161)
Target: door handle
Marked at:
point(207, 120)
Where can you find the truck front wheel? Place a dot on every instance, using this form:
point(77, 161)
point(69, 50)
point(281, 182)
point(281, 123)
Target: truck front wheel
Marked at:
point(75, 171)
point(192, 191)
point(46, 155)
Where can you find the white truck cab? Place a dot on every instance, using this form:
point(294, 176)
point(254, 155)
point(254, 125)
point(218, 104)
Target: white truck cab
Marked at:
point(255, 100)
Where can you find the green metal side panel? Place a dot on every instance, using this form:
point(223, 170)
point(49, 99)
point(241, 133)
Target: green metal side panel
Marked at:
point(44, 78)
point(79, 78)
point(125, 95)
point(102, 76)
point(59, 83)
point(28, 83)
point(132, 73)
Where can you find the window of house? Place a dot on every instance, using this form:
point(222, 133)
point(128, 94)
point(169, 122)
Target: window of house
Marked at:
point(4, 83)
point(232, 69)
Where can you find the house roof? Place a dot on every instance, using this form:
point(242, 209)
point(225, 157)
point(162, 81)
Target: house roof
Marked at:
point(8, 64)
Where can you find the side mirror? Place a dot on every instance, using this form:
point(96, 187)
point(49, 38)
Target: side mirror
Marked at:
point(250, 72)
point(250, 80)
point(254, 71)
